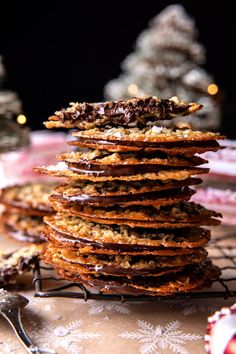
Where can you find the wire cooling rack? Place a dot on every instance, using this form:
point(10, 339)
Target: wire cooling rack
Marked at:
point(222, 251)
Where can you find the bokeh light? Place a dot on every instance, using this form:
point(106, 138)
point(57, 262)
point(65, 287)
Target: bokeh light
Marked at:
point(212, 89)
point(133, 89)
point(21, 119)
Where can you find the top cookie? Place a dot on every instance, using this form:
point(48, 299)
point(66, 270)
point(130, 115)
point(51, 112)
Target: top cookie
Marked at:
point(132, 112)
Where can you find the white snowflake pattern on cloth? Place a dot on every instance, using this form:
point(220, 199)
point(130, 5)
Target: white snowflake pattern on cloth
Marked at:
point(191, 308)
point(68, 337)
point(7, 347)
point(99, 307)
point(161, 337)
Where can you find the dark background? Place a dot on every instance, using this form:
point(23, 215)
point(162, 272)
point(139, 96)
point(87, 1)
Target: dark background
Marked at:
point(58, 53)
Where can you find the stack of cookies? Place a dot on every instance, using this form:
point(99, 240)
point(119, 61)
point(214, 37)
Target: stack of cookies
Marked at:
point(24, 208)
point(124, 222)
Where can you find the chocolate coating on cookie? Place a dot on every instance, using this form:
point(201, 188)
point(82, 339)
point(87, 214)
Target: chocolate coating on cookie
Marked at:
point(192, 277)
point(110, 239)
point(133, 112)
point(17, 262)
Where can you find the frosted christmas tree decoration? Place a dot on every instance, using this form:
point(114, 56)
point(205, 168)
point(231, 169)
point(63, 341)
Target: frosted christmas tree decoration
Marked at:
point(10, 104)
point(165, 63)
point(12, 136)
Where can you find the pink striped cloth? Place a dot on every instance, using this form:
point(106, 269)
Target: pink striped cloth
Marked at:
point(17, 166)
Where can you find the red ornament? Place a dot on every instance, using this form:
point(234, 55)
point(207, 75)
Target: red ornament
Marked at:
point(231, 346)
point(220, 335)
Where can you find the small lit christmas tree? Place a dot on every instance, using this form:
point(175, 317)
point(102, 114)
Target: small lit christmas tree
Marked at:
point(10, 104)
point(12, 136)
point(166, 62)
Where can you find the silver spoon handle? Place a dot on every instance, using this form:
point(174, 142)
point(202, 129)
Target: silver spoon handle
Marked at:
point(14, 319)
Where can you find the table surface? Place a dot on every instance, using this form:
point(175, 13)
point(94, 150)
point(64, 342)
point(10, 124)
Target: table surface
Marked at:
point(94, 327)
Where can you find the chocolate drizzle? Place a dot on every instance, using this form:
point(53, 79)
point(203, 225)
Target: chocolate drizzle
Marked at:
point(192, 277)
point(17, 262)
point(130, 272)
point(62, 240)
point(132, 112)
point(123, 170)
point(22, 236)
point(84, 199)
